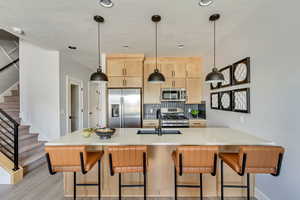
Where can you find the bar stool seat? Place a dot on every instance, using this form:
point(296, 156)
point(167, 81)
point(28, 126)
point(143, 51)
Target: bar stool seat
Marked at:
point(194, 160)
point(252, 160)
point(128, 159)
point(190, 170)
point(73, 159)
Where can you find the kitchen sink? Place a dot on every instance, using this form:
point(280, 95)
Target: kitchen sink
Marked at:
point(154, 132)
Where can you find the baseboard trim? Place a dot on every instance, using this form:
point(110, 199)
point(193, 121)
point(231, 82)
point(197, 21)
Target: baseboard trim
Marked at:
point(260, 195)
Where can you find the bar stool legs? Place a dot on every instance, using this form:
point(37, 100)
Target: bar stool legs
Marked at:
point(233, 186)
point(188, 186)
point(144, 185)
point(75, 184)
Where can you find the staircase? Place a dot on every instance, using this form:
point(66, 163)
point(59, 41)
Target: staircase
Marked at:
point(31, 151)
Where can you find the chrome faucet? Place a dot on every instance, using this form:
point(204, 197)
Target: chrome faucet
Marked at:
point(158, 130)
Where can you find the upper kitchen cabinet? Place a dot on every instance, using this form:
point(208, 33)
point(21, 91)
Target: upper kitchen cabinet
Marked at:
point(194, 88)
point(125, 70)
point(194, 68)
point(173, 70)
point(151, 91)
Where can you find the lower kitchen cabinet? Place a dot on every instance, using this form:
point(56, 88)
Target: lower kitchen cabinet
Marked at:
point(197, 123)
point(150, 123)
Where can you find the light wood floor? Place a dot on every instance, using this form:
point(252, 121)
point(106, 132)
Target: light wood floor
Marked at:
point(39, 185)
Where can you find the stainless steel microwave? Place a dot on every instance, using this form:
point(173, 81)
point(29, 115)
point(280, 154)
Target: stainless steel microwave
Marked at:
point(173, 94)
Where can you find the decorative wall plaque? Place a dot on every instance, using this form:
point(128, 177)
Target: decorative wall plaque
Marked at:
point(227, 73)
point(241, 100)
point(241, 72)
point(214, 101)
point(226, 100)
point(214, 86)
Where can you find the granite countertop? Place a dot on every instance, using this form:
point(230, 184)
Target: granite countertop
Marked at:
point(190, 136)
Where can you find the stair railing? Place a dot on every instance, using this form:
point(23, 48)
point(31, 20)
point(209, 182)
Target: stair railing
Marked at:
point(9, 138)
point(8, 65)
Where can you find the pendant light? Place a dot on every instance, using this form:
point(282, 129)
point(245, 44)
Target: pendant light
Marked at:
point(99, 75)
point(215, 76)
point(156, 76)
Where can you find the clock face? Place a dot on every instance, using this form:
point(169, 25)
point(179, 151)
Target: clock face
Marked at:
point(225, 100)
point(240, 72)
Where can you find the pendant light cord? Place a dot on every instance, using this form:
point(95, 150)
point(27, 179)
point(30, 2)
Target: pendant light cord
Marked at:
point(214, 43)
point(156, 45)
point(99, 56)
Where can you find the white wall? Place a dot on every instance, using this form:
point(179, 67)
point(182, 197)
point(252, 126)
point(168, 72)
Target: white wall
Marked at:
point(271, 38)
point(39, 90)
point(70, 68)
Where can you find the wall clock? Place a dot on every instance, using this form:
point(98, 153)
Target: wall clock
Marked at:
point(241, 72)
point(226, 100)
point(241, 100)
point(227, 73)
point(214, 101)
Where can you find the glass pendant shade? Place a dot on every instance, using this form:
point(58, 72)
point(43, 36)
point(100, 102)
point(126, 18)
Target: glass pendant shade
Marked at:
point(156, 77)
point(214, 76)
point(98, 76)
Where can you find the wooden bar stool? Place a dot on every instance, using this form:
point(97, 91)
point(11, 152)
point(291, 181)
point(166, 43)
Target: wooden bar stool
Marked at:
point(128, 159)
point(252, 160)
point(194, 160)
point(73, 159)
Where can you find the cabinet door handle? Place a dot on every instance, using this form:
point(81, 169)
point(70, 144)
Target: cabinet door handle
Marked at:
point(125, 82)
point(125, 72)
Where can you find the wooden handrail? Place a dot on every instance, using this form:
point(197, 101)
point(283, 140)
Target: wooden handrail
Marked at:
point(10, 64)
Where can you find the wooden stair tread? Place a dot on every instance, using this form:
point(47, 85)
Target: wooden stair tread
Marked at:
point(30, 147)
point(32, 158)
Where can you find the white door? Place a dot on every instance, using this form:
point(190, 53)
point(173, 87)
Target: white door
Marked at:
point(74, 114)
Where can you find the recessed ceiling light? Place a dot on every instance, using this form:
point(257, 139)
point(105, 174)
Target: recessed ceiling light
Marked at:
point(205, 2)
point(72, 47)
point(18, 30)
point(180, 46)
point(106, 3)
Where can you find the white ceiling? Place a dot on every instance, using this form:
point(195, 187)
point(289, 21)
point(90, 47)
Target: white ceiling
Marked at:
point(56, 24)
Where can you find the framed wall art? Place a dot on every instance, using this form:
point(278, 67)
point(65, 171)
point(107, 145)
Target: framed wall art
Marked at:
point(226, 100)
point(214, 101)
point(227, 73)
point(241, 72)
point(214, 86)
point(241, 100)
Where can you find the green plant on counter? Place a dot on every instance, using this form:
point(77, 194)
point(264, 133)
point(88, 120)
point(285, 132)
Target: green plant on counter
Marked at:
point(195, 113)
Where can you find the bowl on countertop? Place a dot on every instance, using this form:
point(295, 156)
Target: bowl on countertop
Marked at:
point(105, 133)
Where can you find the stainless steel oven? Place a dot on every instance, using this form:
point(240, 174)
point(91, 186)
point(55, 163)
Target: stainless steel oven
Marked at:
point(173, 94)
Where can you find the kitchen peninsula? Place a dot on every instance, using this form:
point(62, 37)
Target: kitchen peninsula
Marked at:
point(160, 165)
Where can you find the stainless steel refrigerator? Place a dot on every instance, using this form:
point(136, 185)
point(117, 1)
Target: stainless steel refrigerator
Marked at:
point(124, 108)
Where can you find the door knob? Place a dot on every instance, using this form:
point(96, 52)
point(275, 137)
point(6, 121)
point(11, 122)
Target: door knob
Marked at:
point(70, 117)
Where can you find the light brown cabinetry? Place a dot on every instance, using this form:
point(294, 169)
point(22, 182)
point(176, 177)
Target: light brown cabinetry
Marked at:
point(194, 90)
point(151, 91)
point(174, 83)
point(180, 72)
point(150, 123)
point(173, 69)
point(197, 123)
point(125, 71)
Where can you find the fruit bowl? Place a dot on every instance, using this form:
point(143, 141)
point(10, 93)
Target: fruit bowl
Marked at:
point(105, 133)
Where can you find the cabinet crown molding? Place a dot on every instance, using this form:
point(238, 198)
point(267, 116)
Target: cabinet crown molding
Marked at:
point(126, 56)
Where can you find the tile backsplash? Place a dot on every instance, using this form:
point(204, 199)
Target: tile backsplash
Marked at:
point(150, 109)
